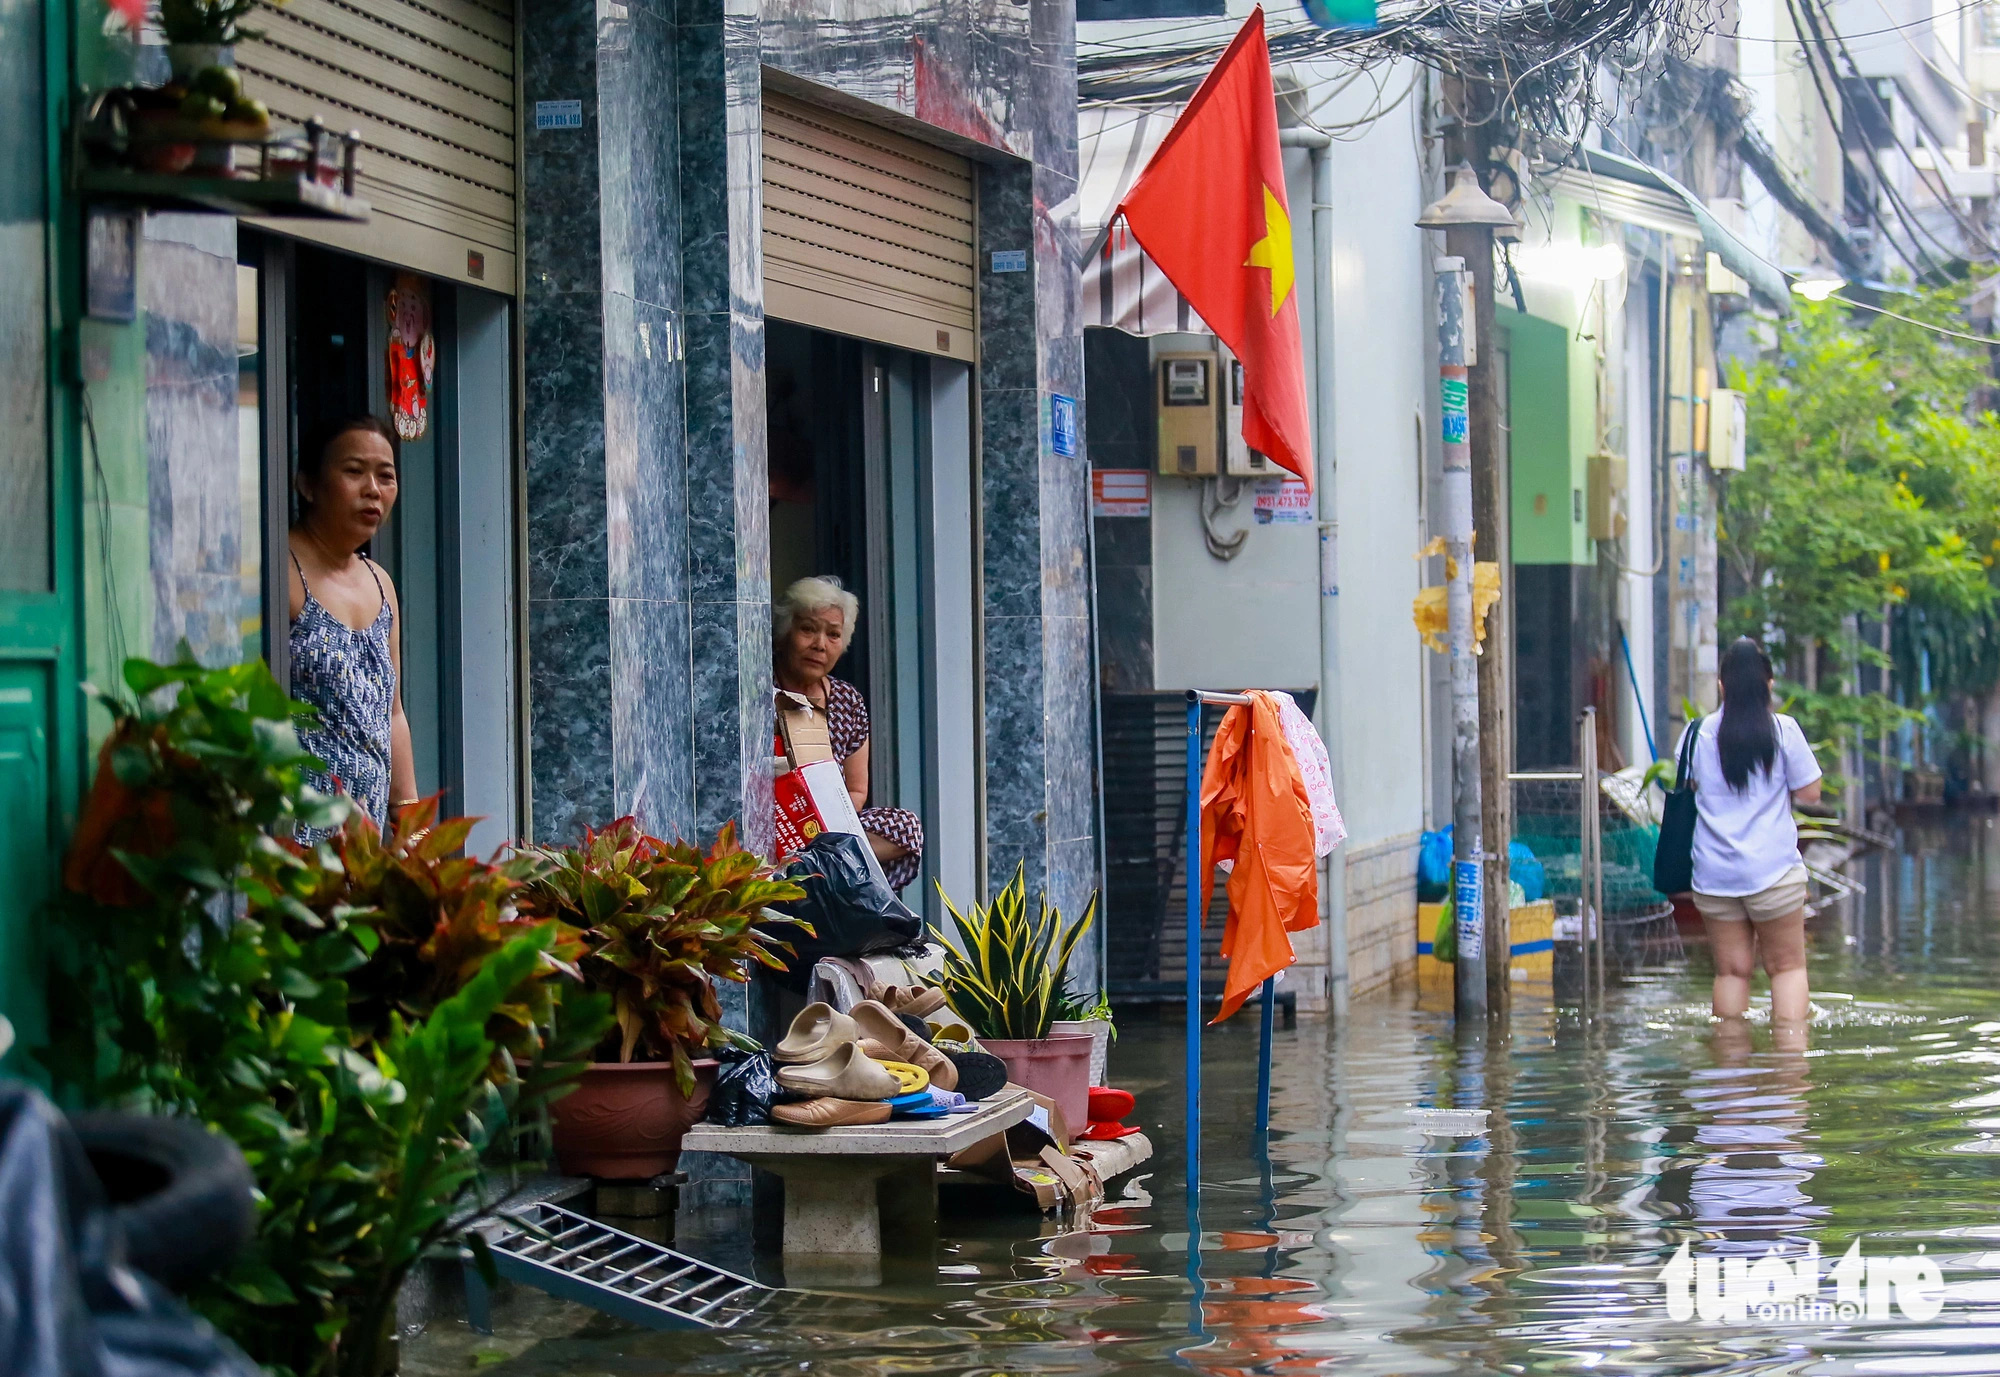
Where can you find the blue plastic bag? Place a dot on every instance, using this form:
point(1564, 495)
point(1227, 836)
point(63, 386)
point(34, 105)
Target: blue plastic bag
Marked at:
point(1524, 870)
point(1434, 866)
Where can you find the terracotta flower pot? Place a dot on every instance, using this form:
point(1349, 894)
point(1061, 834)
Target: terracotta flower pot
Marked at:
point(625, 1120)
point(1057, 1066)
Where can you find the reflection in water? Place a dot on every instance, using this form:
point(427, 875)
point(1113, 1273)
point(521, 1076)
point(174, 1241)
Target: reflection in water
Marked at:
point(1744, 1185)
point(1351, 1243)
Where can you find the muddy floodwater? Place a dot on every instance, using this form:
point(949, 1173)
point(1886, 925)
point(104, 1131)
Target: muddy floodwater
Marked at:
point(1350, 1242)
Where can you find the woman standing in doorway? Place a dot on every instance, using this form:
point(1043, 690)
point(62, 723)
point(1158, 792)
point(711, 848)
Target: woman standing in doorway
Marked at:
point(810, 630)
point(1750, 765)
point(346, 642)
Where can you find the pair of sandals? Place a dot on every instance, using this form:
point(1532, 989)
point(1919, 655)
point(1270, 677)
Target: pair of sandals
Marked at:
point(857, 1067)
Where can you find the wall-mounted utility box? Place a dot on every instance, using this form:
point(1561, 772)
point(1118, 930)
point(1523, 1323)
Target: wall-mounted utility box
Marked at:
point(1605, 488)
point(1728, 429)
point(1239, 460)
point(1190, 404)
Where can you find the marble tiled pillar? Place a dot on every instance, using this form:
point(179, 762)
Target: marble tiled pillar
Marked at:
point(649, 560)
point(648, 564)
point(729, 544)
point(1039, 679)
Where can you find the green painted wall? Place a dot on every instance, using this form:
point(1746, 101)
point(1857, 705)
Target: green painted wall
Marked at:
point(1552, 403)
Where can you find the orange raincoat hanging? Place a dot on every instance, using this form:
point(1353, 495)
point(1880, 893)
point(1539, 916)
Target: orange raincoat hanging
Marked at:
point(1256, 813)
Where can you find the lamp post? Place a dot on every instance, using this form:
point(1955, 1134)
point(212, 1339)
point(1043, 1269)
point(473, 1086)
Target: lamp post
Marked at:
point(1468, 216)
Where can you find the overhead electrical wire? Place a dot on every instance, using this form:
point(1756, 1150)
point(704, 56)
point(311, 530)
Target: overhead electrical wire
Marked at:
point(1803, 17)
point(1539, 53)
point(1868, 33)
point(1912, 320)
point(1973, 235)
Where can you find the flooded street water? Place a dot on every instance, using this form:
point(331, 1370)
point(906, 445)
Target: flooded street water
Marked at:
point(1357, 1245)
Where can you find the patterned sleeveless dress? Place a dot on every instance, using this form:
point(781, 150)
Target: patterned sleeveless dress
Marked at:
point(350, 678)
point(847, 724)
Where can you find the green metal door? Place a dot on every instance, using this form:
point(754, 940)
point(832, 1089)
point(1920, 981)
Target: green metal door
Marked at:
point(40, 708)
point(26, 843)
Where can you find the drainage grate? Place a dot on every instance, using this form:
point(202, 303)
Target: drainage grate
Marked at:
point(578, 1259)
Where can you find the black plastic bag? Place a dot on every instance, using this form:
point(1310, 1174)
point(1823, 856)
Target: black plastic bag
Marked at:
point(852, 912)
point(1673, 858)
point(70, 1303)
point(745, 1089)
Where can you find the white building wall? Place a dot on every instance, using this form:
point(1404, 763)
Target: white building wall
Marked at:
point(1254, 621)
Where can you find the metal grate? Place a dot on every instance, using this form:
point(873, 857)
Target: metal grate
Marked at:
point(578, 1259)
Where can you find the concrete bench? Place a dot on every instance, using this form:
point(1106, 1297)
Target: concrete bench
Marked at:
point(845, 1186)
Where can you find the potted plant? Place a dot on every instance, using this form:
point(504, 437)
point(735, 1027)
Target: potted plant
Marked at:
point(661, 922)
point(203, 33)
point(1006, 982)
point(1091, 1017)
point(366, 1018)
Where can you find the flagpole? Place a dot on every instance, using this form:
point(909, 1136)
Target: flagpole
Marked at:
point(1468, 907)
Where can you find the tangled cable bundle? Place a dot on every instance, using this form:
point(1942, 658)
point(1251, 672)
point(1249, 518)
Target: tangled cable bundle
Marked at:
point(1538, 56)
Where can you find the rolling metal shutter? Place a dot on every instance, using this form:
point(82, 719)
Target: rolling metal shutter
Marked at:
point(867, 233)
point(430, 85)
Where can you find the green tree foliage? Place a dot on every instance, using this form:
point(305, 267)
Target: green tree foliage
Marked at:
point(363, 1018)
point(1870, 483)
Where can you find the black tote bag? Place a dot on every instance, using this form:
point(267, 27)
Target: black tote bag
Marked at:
point(1673, 862)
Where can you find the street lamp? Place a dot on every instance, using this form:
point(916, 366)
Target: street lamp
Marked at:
point(1818, 282)
point(1465, 204)
point(1464, 286)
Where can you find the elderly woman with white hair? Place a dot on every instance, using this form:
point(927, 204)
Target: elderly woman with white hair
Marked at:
point(811, 627)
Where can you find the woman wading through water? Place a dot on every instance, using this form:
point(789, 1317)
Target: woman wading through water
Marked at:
point(346, 637)
point(1750, 765)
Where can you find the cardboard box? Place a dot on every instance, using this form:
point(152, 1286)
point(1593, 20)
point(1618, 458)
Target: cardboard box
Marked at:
point(798, 821)
point(803, 730)
point(826, 785)
point(1033, 1157)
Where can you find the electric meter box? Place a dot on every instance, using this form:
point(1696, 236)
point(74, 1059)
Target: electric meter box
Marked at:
point(1190, 406)
point(1605, 478)
point(1239, 460)
point(1728, 426)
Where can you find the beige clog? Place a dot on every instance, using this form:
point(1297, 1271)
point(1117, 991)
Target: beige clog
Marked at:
point(830, 1113)
point(887, 1038)
point(846, 1073)
point(817, 1030)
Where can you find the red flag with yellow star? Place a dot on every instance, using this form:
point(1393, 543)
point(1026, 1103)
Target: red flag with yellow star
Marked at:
point(1210, 210)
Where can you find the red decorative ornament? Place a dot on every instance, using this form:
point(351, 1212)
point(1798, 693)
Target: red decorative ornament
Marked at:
point(412, 355)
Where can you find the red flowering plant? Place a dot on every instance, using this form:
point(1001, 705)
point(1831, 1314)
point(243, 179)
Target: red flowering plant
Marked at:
point(661, 923)
point(437, 916)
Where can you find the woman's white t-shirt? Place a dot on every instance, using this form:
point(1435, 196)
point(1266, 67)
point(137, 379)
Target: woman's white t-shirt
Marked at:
point(1744, 842)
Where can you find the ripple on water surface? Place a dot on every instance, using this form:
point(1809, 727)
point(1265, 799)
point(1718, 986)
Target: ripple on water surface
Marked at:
point(1355, 1244)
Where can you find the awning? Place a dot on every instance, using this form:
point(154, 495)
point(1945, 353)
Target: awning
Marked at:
point(1640, 195)
point(1121, 286)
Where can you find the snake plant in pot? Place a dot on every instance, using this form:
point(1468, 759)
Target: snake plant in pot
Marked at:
point(1005, 976)
point(661, 922)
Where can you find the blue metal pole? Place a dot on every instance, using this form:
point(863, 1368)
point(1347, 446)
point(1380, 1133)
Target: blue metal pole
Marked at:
point(1264, 1056)
point(1194, 908)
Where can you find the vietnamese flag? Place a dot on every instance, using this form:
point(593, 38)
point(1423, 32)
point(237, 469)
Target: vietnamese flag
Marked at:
point(1210, 211)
